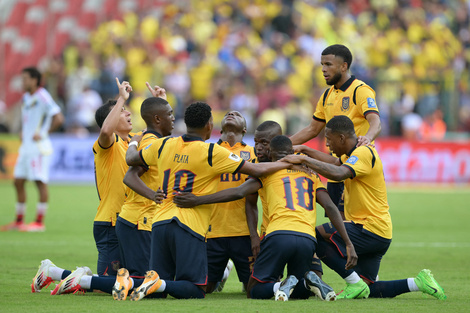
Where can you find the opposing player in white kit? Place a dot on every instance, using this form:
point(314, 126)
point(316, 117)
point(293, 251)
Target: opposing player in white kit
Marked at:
point(40, 116)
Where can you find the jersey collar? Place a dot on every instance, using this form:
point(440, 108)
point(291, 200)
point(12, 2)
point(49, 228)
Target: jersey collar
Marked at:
point(352, 150)
point(186, 138)
point(348, 83)
point(154, 133)
point(221, 142)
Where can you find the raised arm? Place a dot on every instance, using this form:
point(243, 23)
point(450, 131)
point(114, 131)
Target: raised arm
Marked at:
point(309, 132)
point(323, 198)
point(111, 122)
point(330, 171)
point(189, 200)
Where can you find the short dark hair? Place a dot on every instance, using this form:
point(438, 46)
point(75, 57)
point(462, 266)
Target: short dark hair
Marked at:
point(102, 113)
point(197, 115)
point(280, 143)
point(33, 73)
point(339, 51)
point(269, 125)
point(341, 124)
point(149, 108)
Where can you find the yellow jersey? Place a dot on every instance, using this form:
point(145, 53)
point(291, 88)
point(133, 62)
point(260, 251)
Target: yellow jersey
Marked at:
point(366, 197)
point(354, 99)
point(138, 210)
point(229, 219)
point(188, 164)
point(291, 200)
point(110, 168)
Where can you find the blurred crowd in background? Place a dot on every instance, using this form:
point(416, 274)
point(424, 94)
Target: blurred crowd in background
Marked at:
point(262, 58)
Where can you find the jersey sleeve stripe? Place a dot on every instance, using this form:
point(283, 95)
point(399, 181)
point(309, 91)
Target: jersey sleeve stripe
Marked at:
point(161, 147)
point(239, 166)
point(142, 158)
point(210, 153)
point(371, 111)
point(318, 119)
point(351, 169)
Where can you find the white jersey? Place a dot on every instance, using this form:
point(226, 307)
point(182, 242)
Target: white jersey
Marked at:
point(37, 112)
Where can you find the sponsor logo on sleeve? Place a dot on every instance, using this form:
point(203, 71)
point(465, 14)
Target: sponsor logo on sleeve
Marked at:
point(234, 157)
point(371, 103)
point(352, 160)
point(148, 146)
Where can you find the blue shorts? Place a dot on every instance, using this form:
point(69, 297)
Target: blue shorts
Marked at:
point(220, 250)
point(134, 245)
point(280, 248)
point(176, 254)
point(335, 190)
point(109, 256)
point(370, 248)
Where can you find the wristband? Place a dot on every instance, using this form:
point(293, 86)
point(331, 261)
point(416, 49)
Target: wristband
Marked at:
point(133, 143)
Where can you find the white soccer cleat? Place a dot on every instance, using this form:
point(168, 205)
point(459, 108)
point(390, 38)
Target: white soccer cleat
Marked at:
point(42, 278)
point(71, 283)
point(286, 288)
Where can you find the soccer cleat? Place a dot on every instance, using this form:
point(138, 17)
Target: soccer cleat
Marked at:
point(286, 288)
point(13, 226)
point(428, 284)
point(71, 283)
point(33, 227)
point(42, 278)
point(122, 285)
point(319, 287)
point(358, 290)
point(221, 284)
point(151, 283)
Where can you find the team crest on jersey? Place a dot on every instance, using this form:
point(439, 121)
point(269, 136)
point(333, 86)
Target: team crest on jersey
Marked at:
point(345, 104)
point(234, 157)
point(352, 160)
point(371, 103)
point(245, 155)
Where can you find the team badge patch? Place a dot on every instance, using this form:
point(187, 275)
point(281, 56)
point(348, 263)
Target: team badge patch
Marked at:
point(371, 103)
point(234, 157)
point(352, 160)
point(245, 155)
point(345, 104)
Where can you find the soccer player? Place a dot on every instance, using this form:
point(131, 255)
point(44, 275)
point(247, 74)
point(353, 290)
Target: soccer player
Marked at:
point(110, 167)
point(40, 116)
point(229, 235)
point(186, 163)
point(290, 234)
point(132, 224)
point(368, 221)
point(348, 96)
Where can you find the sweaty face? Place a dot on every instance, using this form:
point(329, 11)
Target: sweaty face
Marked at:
point(167, 120)
point(236, 119)
point(332, 68)
point(262, 141)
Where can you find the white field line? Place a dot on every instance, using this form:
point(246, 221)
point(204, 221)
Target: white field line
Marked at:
point(431, 244)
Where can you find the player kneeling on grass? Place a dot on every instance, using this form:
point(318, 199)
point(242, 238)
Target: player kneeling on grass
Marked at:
point(368, 221)
point(290, 235)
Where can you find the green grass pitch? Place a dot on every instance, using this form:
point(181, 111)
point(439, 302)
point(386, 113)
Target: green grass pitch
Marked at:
point(431, 230)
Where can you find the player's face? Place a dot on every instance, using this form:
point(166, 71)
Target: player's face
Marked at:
point(235, 119)
point(29, 83)
point(334, 142)
point(262, 141)
point(332, 68)
point(125, 123)
point(167, 120)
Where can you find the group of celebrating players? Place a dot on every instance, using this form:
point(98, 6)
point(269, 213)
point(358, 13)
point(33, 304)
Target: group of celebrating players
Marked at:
point(175, 212)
